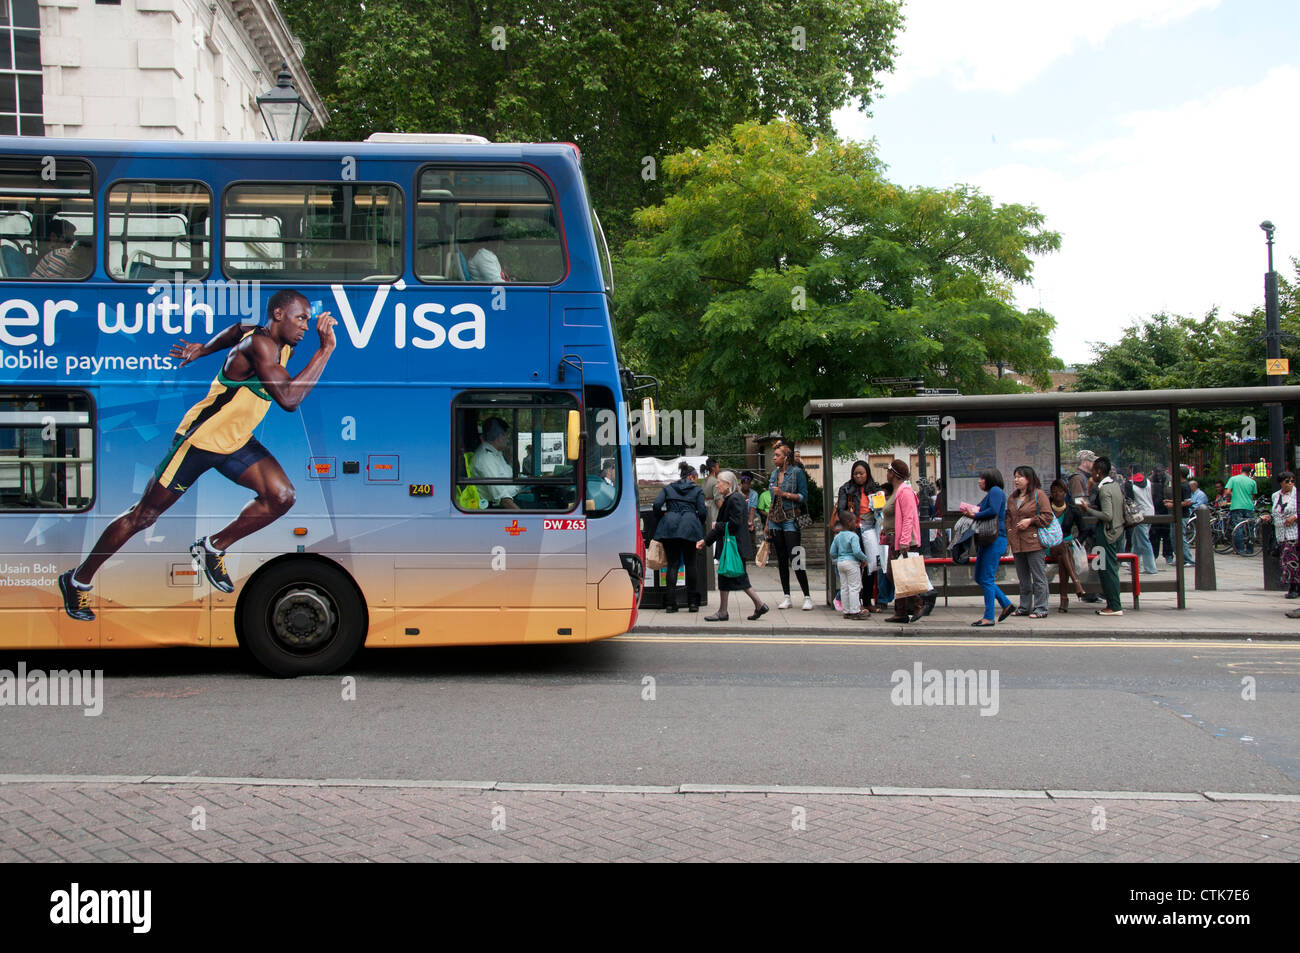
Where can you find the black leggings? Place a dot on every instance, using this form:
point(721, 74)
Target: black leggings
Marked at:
point(784, 541)
point(677, 551)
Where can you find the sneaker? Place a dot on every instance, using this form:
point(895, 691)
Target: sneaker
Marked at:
point(1293, 614)
point(1110, 612)
point(839, 606)
point(807, 604)
point(1090, 597)
point(785, 603)
point(212, 564)
point(76, 602)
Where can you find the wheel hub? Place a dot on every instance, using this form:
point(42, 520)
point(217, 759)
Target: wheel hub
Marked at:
point(303, 618)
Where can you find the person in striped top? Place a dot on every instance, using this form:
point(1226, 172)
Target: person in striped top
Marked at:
point(217, 433)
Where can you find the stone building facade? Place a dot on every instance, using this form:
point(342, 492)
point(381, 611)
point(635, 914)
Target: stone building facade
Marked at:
point(146, 69)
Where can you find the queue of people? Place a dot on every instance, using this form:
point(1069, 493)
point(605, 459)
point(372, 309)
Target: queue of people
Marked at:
point(1079, 521)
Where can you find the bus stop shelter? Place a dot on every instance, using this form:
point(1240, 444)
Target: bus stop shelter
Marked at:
point(969, 415)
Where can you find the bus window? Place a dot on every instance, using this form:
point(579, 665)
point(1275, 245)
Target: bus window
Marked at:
point(601, 461)
point(313, 232)
point(159, 230)
point(490, 225)
point(47, 451)
point(512, 452)
point(47, 220)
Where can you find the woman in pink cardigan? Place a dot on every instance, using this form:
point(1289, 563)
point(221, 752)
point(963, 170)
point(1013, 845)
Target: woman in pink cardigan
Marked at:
point(907, 536)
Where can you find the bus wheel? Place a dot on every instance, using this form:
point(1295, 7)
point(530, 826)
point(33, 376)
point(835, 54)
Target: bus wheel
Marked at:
point(302, 618)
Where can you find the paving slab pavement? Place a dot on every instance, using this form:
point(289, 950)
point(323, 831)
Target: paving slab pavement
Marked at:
point(94, 821)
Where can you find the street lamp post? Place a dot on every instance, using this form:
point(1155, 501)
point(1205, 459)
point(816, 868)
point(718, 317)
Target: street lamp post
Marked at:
point(1273, 343)
point(284, 110)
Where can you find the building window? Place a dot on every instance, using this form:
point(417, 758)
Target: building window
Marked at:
point(20, 69)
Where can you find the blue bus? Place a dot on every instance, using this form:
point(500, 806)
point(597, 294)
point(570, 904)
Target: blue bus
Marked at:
point(298, 398)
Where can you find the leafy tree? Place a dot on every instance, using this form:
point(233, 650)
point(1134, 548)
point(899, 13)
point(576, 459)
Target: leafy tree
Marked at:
point(620, 78)
point(1173, 352)
point(781, 268)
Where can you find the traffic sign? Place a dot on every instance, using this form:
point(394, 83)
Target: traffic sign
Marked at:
point(1277, 367)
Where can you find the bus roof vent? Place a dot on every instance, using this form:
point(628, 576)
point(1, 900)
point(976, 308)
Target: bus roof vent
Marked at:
point(426, 137)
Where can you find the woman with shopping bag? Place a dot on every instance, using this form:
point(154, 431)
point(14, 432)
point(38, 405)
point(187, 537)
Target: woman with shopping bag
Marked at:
point(680, 509)
point(905, 546)
point(732, 546)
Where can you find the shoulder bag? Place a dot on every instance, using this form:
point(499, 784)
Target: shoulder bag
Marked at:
point(730, 563)
point(1051, 534)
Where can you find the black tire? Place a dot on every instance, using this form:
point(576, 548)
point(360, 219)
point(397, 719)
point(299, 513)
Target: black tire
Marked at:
point(302, 617)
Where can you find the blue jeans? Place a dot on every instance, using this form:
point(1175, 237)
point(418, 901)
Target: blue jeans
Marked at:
point(1235, 517)
point(986, 567)
point(1142, 546)
point(1182, 543)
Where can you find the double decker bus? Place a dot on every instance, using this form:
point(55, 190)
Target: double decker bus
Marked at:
point(298, 398)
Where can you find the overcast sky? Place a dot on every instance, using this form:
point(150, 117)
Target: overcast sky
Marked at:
point(1155, 135)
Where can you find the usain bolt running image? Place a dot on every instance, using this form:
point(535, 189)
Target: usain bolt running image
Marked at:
point(217, 433)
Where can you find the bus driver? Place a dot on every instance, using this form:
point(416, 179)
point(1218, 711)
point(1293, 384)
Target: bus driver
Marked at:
point(218, 432)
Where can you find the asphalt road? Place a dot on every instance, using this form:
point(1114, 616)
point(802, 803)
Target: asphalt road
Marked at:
point(1117, 716)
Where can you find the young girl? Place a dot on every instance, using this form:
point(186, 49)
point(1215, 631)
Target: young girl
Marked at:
point(849, 559)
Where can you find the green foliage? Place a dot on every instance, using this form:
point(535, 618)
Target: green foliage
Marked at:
point(781, 268)
point(1173, 352)
point(620, 79)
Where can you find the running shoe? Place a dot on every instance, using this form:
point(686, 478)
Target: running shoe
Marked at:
point(212, 564)
point(76, 602)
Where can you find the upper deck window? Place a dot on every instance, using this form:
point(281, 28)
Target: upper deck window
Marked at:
point(47, 219)
point(496, 226)
point(313, 232)
point(159, 230)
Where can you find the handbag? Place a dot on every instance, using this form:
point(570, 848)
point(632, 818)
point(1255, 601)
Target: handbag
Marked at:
point(730, 563)
point(801, 519)
point(909, 576)
point(986, 530)
point(655, 557)
point(760, 558)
